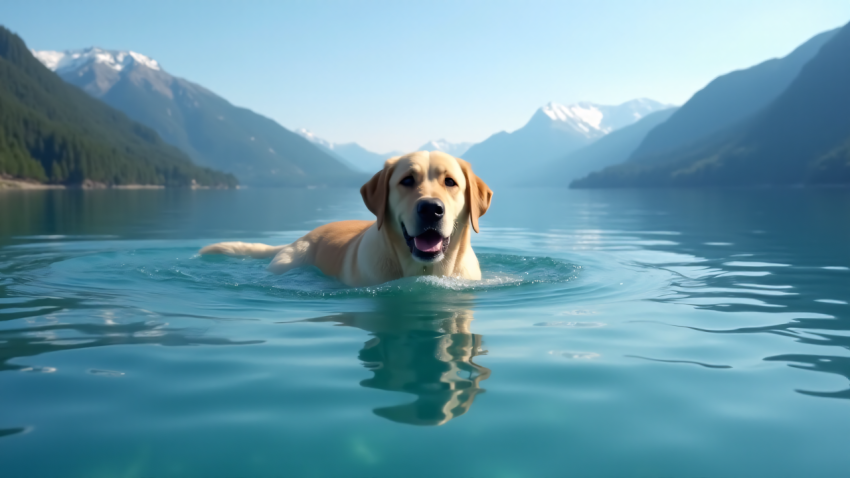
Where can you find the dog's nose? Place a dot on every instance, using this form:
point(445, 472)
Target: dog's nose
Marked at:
point(430, 209)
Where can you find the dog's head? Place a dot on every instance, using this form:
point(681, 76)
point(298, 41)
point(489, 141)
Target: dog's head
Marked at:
point(426, 198)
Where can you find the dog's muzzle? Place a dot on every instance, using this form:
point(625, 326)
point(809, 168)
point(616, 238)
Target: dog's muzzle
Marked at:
point(428, 246)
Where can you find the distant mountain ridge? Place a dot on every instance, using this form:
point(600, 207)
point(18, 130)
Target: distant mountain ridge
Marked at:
point(53, 132)
point(802, 136)
point(455, 149)
point(730, 98)
point(613, 148)
point(207, 127)
point(364, 160)
point(553, 132)
point(358, 157)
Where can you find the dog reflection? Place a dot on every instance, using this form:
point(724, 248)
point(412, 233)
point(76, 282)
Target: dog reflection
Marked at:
point(431, 358)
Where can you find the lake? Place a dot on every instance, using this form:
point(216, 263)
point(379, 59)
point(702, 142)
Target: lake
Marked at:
point(616, 333)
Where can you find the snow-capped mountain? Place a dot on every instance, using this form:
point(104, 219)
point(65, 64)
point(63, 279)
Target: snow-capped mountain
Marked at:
point(208, 128)
point(351, 153)
point(75, 59)
point(454, 149)
point(613, 148)
point(593, 120)
point(97, 71)
point(554, 131)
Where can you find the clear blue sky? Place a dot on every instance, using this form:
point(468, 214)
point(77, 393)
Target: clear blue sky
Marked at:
point(392, 75)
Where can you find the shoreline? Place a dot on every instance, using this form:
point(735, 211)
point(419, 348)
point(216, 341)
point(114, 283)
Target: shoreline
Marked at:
point(7, 183)
point(12, 184)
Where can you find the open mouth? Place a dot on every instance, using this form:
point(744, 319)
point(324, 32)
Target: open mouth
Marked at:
point(430, 245)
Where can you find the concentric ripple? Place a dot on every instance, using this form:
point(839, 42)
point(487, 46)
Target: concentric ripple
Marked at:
point(685, 333)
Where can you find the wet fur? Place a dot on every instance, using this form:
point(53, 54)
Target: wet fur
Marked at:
point(363, 253)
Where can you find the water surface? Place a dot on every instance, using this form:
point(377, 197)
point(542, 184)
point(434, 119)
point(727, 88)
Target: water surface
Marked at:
point(615, 333)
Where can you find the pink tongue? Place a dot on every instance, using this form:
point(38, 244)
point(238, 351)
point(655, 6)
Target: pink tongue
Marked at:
point(428, 242)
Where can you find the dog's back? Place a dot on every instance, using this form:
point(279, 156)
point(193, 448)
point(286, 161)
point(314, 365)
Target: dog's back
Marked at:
point(325, 247)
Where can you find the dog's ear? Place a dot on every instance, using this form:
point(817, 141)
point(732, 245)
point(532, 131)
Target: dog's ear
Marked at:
point(478, 195)
point(375, 192)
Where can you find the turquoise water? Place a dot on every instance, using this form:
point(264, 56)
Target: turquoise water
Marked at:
point(615, 333)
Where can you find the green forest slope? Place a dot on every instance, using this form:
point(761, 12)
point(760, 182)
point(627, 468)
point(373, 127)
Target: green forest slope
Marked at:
point(801, 137)
point(53, 132)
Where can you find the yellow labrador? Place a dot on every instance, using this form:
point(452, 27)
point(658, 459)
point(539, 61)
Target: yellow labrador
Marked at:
point(425, 203)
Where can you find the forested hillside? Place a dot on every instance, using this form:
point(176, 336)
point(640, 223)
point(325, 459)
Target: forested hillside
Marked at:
point(801, 137)
point(729, 99)
point(205, 126)
point(53, 132)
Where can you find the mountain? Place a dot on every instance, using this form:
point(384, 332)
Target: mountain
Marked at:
point(455, 149)
point(554, 131)
point(362, 159)
point(52, 132)
point(613, 148)
point(205, 126)
point(730, 98)
point(801, 137)
point(358, 157)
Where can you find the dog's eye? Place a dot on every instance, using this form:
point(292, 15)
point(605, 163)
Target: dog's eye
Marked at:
point(408, 181)
point(450, 182)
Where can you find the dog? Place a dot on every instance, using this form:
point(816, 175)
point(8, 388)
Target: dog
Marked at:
point(425, 203)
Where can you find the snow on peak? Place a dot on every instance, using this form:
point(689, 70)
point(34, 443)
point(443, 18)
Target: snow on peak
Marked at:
point(454, 149)
point(593, 120)
point(308, 135)
point(74, 59)
point(584, 115)
point(50, 59)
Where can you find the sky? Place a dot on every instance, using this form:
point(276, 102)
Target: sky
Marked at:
point(393, 75)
